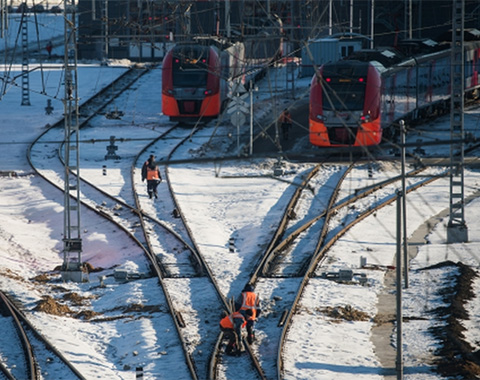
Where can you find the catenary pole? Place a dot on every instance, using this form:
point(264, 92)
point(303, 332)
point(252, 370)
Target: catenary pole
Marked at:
point(457, 231)
point(404, 203)
point(399, 359)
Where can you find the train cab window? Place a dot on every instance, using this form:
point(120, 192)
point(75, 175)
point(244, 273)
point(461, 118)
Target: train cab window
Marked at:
point(344, 94)
point(190, 68)
point(189, 77)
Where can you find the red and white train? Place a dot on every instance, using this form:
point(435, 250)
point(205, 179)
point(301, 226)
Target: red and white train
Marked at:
point(193, 83)
point(196, 77)
point(356, 102)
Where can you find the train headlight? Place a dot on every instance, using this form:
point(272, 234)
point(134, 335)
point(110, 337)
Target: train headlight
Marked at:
point(208, 92)
point(321, 118)
point(365, 118)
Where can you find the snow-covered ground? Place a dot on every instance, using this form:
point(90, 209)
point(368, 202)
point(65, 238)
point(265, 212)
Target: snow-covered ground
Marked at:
point(118, 339)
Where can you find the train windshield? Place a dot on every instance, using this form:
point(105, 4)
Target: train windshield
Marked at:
point(343, 94)
point(190, 67)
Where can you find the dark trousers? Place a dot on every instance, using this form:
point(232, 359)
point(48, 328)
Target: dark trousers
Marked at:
point(285, 130)
point(233, 343)
point(152, 185)
point(250, 333)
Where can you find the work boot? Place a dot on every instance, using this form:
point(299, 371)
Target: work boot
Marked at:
point(240, 349)
point(230, 350)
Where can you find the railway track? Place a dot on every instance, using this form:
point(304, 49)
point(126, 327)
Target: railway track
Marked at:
point(27, 346)
point(45, 158)
point(164, 238)
point(289, 258)
point(178, 263)
point(340, 229)
point(207, 365)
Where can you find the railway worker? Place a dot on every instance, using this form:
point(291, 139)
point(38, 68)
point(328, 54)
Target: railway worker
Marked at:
point(249, 305)
point(285, 123)
point(49, 48)
point(232, 326)
point(151, 173)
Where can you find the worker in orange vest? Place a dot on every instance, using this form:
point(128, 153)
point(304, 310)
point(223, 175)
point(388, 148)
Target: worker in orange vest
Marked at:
point(49, 48)
point(151, 173)
point(246, 302)
point(232, 326)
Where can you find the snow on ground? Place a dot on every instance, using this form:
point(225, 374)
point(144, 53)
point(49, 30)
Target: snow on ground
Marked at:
point(318, 346)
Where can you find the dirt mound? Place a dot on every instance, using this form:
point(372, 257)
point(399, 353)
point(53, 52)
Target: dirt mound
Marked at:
point(41, 278)
point(347, 313)
point(91, 269)
point(136, 307)
point(87, 314)
point(456, 356)
point(50, 306)
point(75, 298)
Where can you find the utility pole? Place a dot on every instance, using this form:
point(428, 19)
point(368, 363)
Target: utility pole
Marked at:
point(227, 19)
point(25, 74)
point(372, 24)
point(399, 317)
point(457, 231)
point(104, 4)
point(330, 18)
point(403, 133)
point(72, 268)
point(3, 17)
point(351, 16)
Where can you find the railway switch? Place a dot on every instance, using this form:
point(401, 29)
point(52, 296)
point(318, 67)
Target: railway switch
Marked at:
point(49, 108)
point(111, 149)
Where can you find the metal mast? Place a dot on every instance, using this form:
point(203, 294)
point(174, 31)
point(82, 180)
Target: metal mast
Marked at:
point(3, 17)
point(457, 230)
point(72, 247)
point(25, 76)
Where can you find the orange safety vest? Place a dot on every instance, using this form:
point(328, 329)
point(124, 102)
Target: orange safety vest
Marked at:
point(250, 301)
point(152, 173)
point(227, 322)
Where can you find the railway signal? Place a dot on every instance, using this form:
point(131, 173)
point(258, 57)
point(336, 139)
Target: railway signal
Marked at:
point(238, 108)
point(238, 105)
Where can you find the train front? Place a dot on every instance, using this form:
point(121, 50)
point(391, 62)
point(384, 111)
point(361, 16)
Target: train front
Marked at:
point(191, 83)
point(345, 105)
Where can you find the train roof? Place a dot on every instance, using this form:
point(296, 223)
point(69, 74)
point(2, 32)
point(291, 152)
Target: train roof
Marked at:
point(418, 46)
point(351, 68)
point(385, 56)
point(470, 34)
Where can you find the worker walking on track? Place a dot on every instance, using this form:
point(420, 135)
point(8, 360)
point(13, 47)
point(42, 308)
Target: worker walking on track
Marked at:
point(249, 305)
point(286, 123)
point(49, 48)
point(151, 173)
point(232, 326)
